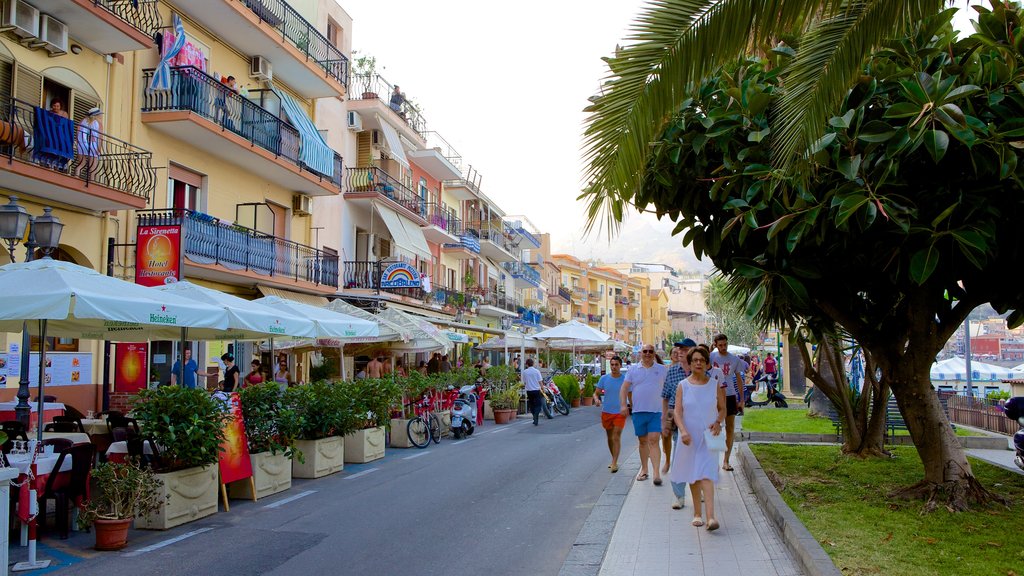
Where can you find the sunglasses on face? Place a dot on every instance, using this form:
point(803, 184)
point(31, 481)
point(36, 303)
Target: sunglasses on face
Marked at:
point(647, 351)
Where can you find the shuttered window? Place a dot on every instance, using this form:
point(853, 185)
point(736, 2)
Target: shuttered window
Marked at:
point(80, 105)
point(28, 86)
point(6, 79)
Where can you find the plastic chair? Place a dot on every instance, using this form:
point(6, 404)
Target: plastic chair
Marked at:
point(77, 421)
point(136, 449)
point(115, 422)
point(62, 427)
point(62, 489)
point(59, 444)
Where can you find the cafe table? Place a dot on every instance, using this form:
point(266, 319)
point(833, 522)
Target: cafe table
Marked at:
point(44, 467)
point(95, 426)
point(76, 437)
point(50, 409)
point(118, 451)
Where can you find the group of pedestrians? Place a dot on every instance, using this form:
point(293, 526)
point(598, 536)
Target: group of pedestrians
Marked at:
point(678, 411)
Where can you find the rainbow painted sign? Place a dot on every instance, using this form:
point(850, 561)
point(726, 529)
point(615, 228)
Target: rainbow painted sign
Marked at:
point(400, 275)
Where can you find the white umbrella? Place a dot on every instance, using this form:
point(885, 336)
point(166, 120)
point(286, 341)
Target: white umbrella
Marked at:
point(329, 324)
point(955, 368)
point(426, 335)
point(247, 320)
point(388, 330)
point(574, 332)
point(510, 340)
point(734, 349)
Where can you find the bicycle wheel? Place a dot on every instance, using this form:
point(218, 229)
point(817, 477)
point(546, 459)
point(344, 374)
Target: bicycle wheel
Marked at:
point(561, 406)
point(435, 428)
point(419, 433)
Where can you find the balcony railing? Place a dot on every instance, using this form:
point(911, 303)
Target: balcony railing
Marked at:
point(594, 296)
point(497, 299)
point(375, 87)
point(141, 15)
point(379, 181)
point(622, 301)
point(195, 91)
point(39, 137)
point(365, 275)
point(595, 317)
point(302, 35)
point(634, 302)
point(496, 231)
point(209, 240)
point(443, 217)
point(520, 270)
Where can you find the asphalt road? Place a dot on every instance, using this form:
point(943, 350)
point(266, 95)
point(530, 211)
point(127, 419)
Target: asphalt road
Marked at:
point(509, 500)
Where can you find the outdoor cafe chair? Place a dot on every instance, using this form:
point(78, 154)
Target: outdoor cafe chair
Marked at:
point(62, 489)
point(62, 427)
point(76, 420)
point(59, 444)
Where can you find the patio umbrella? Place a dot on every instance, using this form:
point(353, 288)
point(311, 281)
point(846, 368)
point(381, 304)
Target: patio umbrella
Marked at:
point(329, 324)
point(388, 330)
point(573, 332)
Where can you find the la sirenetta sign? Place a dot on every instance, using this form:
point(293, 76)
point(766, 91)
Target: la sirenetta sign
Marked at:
point(400, 275)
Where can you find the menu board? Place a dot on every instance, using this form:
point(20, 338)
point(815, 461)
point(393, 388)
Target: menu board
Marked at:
point(62, 368)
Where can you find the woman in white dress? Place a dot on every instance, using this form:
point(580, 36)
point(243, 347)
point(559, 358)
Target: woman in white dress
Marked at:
point(700, 405)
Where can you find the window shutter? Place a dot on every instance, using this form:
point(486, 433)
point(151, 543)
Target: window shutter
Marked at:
point(28, 86)
point(6, 80)
point(80, 105)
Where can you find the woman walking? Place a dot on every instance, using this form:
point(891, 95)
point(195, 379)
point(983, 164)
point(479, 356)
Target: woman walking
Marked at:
point(700, 406)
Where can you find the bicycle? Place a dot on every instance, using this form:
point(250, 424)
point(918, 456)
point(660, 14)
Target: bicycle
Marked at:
point(426, 426)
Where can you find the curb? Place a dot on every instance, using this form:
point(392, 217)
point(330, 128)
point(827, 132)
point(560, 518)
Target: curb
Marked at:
point(587, 553)
point(967, 442)
point(807, 551)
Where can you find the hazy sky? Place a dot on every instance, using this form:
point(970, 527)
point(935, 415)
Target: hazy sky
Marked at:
point(506, 85)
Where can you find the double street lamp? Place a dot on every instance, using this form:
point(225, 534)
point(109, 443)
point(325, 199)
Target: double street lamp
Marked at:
point(43, 234)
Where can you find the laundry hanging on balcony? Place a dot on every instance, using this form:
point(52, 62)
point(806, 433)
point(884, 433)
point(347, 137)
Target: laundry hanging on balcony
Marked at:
point(313, 151)
point(162, 75)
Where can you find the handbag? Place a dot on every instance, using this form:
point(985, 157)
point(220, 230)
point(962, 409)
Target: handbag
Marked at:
point(714, 443)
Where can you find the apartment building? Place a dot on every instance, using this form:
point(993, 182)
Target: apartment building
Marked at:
point(604, 298)
point(62, 61)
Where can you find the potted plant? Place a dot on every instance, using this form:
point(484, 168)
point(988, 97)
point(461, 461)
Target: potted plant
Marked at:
point(366, 70)
point(569, 386)
point(589, 388)
point(122, 492)
point(505, 403)
point(412, 388)
point(325, 415)
point(187, 425)
point(270, 428)
point(372, 401)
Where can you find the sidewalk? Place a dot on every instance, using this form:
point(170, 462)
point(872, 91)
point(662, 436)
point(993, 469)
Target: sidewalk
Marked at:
point(650, 538)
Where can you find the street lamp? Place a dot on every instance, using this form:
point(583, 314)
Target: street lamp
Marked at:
point(43, 233)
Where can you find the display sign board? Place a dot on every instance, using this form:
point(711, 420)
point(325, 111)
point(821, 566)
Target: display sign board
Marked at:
point(400, 275)
point(234, 451)
point(62, 368)
point(158, 255)
point(130, 373)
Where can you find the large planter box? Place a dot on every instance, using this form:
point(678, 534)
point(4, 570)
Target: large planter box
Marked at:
point(488, 412)
point(400, 433)
point(322, 457)
point(272, 473)
point(365, 445)
point(446, 422)
point(193, 495)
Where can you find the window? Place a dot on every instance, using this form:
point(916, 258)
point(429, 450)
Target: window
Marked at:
point(184, 189)
point(334, 33)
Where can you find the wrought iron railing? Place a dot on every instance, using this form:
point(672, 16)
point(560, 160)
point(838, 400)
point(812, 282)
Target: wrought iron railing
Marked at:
point(633, 302)
point(594, 317)
point(495, 231)
point(437, 142)
point(365, 275)
point(594, 296)
point(210, 240)
point(520, 270)
point(379, 181)
point(40, 137)
point(193, 90)
point(140, 14)
point(373, 86)
point(564, 293)
point(300, 33)
point(448, 297)
point(443, 217)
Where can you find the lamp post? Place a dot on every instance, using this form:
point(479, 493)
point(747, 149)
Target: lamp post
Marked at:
point(43, 233)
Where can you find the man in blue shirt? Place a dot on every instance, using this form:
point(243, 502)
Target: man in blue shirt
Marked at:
point(611, 418)
point(191, 371)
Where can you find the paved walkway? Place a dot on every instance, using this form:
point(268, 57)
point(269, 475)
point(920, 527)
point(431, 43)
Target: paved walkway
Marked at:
point(652, 539)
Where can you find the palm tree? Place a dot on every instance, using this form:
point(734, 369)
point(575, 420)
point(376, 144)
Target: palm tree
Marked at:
point(674, 44)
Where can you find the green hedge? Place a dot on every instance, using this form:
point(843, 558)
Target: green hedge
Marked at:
point(569, 386)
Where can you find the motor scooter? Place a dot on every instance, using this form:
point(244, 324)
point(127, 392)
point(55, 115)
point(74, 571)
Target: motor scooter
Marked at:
point(1014, 410)
point(553, 400)
point(464, 411)
point(771, 385)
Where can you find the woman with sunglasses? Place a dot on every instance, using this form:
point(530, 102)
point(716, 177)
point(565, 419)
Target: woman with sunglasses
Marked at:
point(700, 405)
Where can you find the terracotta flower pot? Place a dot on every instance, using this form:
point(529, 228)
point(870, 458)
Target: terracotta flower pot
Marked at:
point(575, 402)
point(503, 416)
point(111, 534)
point(587, 400)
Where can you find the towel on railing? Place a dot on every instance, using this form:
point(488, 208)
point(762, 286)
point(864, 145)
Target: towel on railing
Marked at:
point(53, 138)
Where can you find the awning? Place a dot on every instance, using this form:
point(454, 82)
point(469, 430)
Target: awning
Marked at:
point(394, 142)
point(313, 151)
point(456, 337)
point(310, 299)
point(467, 327)
point(405, 234)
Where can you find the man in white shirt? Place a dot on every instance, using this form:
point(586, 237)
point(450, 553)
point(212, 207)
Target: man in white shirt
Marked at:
point(644, 384)
point(531, 382)
point(732, 368)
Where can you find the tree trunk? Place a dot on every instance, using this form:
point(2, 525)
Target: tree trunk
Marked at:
point(818, 404)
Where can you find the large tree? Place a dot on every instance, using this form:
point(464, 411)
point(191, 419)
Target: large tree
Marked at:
point(893, 225)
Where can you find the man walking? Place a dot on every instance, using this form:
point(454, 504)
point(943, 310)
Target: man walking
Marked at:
point(679, 370)
point(732, 370)
point(531, 382)
point(611, 419)
point(644, 383)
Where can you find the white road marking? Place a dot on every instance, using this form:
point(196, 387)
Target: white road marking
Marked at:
point(290, 499)
point(416, 455)
point(167, 542)
point(363, 473)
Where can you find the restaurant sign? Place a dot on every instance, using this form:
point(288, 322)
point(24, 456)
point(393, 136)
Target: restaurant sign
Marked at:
point(400, 275)
point(158, 255)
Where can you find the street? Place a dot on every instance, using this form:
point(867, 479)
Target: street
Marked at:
point(509, 500)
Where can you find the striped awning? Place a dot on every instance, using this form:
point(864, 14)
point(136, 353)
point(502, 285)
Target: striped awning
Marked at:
point(394, 142)
point(313, 151)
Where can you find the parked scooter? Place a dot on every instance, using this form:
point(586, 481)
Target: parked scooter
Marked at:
point(1014, 410)
point(771, 385)
point(464, 411)
point(553, 401)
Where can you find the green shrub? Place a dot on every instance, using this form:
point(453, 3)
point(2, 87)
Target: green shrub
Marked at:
point(507, 399)
point(372, 399)
point(325, 371)
point(569, 386)
point(123, 491)
point(270, 424)
point(590, 385)
point(998, 395)
point(501, 377)
point(187, 423)
point(323, 409)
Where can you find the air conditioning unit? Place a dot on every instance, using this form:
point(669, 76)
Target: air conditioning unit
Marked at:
point(53, 35)
point(302, 205)
point(21, 18)
point(355, 122)
point(261, 69)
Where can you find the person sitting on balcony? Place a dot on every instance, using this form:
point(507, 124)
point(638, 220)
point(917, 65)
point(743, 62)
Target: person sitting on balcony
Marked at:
point(397, 99)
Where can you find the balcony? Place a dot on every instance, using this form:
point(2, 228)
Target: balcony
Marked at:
point(560, 296)
point(595, 318)
point(106, 26)
point(621, 300)
point(452, 300)
point(365, 275)
point(302, 57)
point(496, 240)
point(524, 276)
point(365, 185)
point(42, 156)
point(496, 304)
point(443, 227)
point(464, 187)
point(578, 294)
point(527, 318)
point(438, 157)
point(467, 248)
point(372, 94)
point(222, 251)
point(594, 296)
point(629, 324)
point(201, 111)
